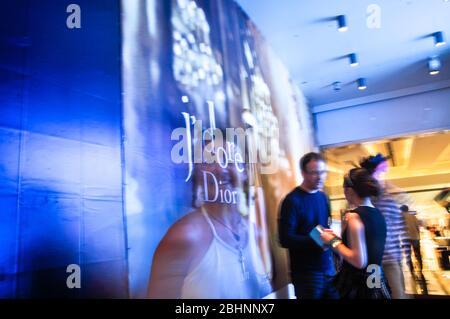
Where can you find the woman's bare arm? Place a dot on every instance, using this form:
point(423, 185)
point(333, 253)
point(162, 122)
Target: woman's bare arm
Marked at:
point(356, 253)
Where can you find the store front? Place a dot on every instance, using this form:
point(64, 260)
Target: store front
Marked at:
point(419, 169)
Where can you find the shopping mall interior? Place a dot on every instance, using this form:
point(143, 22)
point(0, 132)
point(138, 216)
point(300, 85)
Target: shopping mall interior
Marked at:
point(388, 45)
point(419, 166)
point(103, 105)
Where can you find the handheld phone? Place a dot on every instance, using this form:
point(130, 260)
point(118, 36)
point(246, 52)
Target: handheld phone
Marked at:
point(315, 235)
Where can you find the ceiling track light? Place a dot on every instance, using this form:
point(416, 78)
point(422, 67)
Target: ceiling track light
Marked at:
point(434, 65)
point(439, 39)
point(342, 23)
point(362, 85)
point(353, 59)
point(337, 86)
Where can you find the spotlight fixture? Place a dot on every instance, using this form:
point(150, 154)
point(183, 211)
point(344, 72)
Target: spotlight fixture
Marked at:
point(361, 84)
point(353, 59)
point(342, 23)
point(434, 65)
point(439, 39)
point(337, 86)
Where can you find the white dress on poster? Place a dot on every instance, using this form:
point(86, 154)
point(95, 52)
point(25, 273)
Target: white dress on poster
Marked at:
point(219, 273)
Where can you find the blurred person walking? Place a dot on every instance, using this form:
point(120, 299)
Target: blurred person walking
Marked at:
point(388, 204)
point(413, 243)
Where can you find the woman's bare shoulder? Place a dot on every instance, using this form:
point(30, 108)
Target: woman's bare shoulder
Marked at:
point(189, 229)
point(353, 220)
point(350, 214)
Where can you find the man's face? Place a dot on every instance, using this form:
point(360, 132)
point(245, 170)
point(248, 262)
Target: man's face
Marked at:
point(315, 174)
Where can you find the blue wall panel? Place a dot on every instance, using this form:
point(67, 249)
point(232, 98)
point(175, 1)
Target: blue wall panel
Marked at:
point(60, 150)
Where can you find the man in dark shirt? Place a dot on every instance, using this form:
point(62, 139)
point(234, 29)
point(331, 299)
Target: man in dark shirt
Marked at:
point(312, 268)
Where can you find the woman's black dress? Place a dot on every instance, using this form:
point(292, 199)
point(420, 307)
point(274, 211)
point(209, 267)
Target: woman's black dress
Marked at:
point(354, 283)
